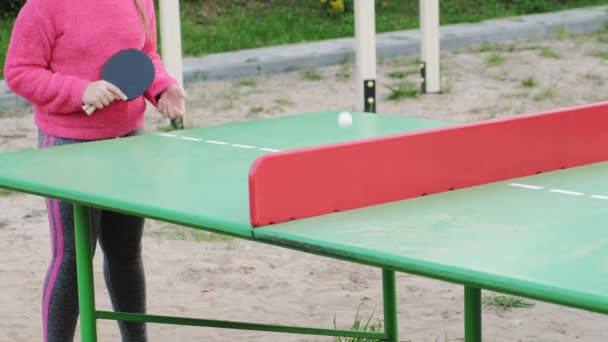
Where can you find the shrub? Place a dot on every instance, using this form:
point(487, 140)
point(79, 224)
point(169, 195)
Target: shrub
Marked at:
point(10, 6)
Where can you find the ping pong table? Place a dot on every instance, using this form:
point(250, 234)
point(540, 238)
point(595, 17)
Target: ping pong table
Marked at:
point(516, 205)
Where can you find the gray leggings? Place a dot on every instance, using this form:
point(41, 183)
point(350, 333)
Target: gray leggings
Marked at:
point(120, 240)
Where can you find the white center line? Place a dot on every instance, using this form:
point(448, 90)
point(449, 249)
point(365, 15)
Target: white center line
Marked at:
point(574, 193)
point(243, 146)
point(216, 142)
point(559, 191)
point(526, 186)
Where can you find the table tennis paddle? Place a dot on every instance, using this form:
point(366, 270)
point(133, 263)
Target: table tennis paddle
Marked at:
point(131, 70)
point(177, 122)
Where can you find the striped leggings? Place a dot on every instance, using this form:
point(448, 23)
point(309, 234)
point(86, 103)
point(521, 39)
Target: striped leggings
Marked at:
point(120, 240)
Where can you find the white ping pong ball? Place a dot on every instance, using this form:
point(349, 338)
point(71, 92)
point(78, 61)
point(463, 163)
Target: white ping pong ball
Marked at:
point(345, 119)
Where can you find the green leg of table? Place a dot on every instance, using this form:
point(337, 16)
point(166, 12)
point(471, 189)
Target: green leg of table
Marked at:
point(84, 267)
point(389, 288)
point(472, 314)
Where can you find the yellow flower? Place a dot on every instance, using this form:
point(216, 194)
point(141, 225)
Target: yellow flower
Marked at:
point(337, 6)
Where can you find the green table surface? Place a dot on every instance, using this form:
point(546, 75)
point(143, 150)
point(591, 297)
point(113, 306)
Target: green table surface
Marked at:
point(198, 178)
point(538, 243)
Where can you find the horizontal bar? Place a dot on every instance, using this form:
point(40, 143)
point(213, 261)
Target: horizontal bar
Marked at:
point(122, 316)
point(529, 290)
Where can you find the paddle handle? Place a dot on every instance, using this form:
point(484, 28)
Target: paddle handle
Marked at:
point(89, 109)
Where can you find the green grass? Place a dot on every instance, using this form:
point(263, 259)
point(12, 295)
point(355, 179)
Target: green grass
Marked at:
point(602, 38)
point(361, 326)
point(284, 102)
point(529, 82)
point(562, 32)
point(401, 74)
point(406, 62)
point(505, 303)
point(490, 116)
point(3, 224)
point(487, 47)
point(167, 128)
point(344, 73)
point(546, 94)
point(210, 26)
point(6, 25)
point(174, 232)
point(601, 54)
point(403, 90)
point(246, 82)
point(311, 75)
point(213, 26)
point(548, 53)
point(495, 59)
point(256, 109)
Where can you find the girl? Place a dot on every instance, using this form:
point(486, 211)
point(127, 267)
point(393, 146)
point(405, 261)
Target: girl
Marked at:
point(54, 60)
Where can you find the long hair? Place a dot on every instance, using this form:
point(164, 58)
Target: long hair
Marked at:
point(143, 17)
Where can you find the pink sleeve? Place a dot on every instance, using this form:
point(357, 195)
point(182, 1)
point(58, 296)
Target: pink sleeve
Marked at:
point(27, 71)
point(163, 80)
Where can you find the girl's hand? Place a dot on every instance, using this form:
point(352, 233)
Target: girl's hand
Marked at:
point(101, 93)
point(172, 102)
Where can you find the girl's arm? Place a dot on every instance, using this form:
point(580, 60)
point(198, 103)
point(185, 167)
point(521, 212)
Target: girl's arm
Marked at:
point(163, 80)
point(26, 69)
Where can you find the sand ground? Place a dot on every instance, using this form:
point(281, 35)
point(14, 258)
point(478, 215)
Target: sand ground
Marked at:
point(203, 275)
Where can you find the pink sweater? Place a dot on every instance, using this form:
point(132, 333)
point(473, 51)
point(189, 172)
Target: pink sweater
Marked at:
point(59, 46)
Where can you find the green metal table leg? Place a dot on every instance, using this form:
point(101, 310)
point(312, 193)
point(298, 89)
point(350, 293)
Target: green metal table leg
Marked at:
point(472, 314)
point(389, 287)
point(84, 267)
